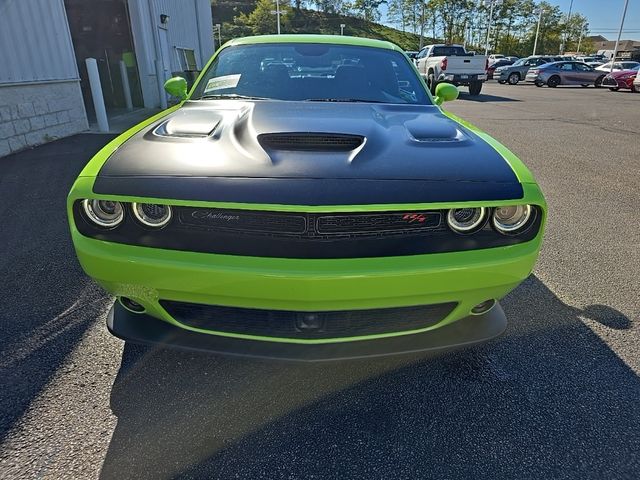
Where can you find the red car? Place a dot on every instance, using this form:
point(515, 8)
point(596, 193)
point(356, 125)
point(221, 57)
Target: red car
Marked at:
point(622, 79)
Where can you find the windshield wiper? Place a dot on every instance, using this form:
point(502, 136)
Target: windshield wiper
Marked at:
point(358, 100)
point(232, 96)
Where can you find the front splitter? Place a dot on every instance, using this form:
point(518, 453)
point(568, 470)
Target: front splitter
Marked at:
point(141, 328)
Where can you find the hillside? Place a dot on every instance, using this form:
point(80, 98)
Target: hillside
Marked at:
point(234, 24)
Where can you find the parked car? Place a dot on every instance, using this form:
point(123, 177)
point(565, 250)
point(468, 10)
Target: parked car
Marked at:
point(500, 63)
point(636, 83)
point(621, 79)
point(594, 64)
point(411, 54)
point(617, 66)
point(452, 64)
point(289, 215)
point(565, 73)
point(495, 57)
point(516, 72)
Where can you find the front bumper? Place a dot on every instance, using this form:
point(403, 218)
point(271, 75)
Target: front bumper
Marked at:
point(144, 329)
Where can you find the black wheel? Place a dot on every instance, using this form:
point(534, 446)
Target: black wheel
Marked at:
point(584, 85)
point(431, 82)
point(514, 78)
point(598, 82)
point(554, 81)
point(475, 88)
point(538, 83)
point(502, 82)
point(614, 89)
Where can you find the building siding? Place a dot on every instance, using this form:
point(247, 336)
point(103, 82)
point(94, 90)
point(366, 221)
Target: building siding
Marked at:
point(36, 43)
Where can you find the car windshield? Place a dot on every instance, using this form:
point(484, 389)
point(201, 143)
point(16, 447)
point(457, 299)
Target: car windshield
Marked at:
point(520, 62)
point(314, 72)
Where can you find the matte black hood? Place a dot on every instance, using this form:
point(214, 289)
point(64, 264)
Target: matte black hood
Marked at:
point(212, 151)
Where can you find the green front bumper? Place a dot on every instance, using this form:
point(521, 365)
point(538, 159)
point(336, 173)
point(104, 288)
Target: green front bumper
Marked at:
point(148, 275)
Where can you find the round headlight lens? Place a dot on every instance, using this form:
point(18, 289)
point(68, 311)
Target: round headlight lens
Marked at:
point(511, 218)
point(152, 214)
point(466, 220)
point(105, 213)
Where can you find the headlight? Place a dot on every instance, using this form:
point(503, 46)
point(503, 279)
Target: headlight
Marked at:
point(152, 214)
point(511, 218)
point(466, 220)
point(105, 213)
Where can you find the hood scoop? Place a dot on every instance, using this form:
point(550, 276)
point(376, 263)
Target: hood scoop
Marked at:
point(310, 142)
point(189, 124)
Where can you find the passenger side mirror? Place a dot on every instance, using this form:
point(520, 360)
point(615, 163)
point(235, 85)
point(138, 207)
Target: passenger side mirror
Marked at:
point(445, 92)
point(176, 87)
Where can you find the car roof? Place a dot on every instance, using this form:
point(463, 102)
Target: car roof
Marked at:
point(305, 38)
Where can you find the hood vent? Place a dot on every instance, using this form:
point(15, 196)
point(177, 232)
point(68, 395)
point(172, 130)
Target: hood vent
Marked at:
point(311, 142)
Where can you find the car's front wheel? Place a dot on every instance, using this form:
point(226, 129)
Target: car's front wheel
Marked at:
point(538, 83)
point(431, 82)
point(514, 78)
point(554, 81)
point(614, 89)
point(584, 85)
point(502, 82)
point(475, 88)
point(598, 82)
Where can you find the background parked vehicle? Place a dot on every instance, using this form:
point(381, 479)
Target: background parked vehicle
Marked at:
point(453, 64)
point(503, 62)
point(516, 72)
point(617, 66)
point(494, 57)
point(565, 73)
point(623, 79)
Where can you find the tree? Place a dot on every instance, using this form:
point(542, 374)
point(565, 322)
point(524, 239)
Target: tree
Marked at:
point(262, 21)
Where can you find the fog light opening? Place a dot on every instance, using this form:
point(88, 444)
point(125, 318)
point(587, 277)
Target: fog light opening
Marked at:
point(483, 307)
point(131, 305)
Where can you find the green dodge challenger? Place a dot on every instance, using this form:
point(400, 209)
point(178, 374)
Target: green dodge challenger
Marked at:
point(308, 199)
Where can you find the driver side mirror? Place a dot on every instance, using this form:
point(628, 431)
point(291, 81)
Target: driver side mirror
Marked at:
point(176, 87)
point(445, 92)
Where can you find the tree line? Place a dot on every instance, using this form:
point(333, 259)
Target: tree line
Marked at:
point(512, 30)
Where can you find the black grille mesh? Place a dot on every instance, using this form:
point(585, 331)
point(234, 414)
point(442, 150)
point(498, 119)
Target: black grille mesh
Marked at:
point(290, 324)
point(310, 141)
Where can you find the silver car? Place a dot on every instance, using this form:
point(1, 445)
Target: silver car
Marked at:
point(565, 73)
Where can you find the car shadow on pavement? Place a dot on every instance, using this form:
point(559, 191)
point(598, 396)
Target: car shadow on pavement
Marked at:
point(47, 302)
point(549, 399)
point(483, 97)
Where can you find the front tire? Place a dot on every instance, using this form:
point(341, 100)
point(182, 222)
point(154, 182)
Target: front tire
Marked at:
point(538, 83)
point(475, 88)
point(514, 78)
point(502, 82)
point(554, 81)
point(431, 82)
point(598, 82)
point(614, 89)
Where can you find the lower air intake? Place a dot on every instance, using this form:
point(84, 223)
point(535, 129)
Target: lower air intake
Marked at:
point(306, 325)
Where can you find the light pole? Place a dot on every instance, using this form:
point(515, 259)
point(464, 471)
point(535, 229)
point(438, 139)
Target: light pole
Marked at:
point(278, 14)
point(486, 43)
point(218, 28)
point(580, 39)
point(342, 25)
point(615, 49)
point(535, 42)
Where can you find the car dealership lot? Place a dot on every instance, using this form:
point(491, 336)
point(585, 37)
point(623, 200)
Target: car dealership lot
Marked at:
point(556, 396)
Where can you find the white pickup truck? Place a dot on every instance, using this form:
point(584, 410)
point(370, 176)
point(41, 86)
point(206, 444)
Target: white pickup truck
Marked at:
point(452, 64)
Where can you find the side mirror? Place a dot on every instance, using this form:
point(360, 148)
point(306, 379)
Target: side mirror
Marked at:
point(176, 87)
point(445, 92)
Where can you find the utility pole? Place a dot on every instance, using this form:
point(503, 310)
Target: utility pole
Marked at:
point(486, 43)
point(615, 50)
point(421, 27)
point(535, 43)
point(342, 25)
point(580, 39)
point(278, 14)
point(565, 35)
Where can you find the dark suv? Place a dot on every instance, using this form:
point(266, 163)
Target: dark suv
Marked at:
point(516, 72)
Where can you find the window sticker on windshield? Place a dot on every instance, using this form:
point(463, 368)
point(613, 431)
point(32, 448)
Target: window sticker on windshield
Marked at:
point(219, 83)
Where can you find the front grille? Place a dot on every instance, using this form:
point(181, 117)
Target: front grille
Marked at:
point(310, 141)
point(306, 325)
point(309, 225)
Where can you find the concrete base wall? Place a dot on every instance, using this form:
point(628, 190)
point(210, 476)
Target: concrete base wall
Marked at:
point(36, 113)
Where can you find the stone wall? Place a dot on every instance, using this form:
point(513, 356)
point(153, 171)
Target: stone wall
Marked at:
point(36, 113)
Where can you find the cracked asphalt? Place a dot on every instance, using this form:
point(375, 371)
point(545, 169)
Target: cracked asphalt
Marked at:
point(558, 396)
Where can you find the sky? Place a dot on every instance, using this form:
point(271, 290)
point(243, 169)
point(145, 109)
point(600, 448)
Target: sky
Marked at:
point(603, 16)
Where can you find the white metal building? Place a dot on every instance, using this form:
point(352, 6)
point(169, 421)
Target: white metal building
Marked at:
point(44, 90)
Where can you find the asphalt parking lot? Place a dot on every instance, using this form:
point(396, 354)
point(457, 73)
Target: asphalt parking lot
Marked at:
point(558, 396)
